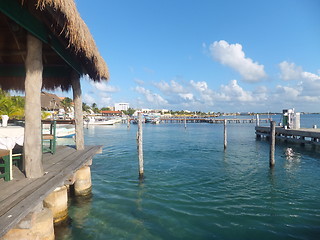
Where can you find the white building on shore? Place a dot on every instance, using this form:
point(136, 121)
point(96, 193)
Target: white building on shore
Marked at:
point(121, 106)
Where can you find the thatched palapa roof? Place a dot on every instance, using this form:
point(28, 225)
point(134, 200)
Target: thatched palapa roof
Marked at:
point(50, 101)
point(59, 26)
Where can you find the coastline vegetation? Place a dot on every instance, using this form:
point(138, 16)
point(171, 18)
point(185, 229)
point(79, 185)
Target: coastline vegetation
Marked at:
point(13, 106)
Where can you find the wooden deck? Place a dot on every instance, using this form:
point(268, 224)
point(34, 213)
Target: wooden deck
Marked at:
point(302, 135)
point(21, 195)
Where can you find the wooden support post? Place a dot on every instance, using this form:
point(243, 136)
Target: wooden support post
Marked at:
point(140, 148)
point(272, 142)
point(225, 133)
point(257, 120)
point(185, 122)
point(32, 131)
point(78, 114)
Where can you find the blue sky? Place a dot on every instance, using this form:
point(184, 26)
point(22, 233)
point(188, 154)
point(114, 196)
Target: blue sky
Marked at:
point(206, 55)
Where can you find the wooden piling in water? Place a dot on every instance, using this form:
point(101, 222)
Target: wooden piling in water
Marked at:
point(272, 143)
point(140, 148)
point(225, 133)
point(185, 122)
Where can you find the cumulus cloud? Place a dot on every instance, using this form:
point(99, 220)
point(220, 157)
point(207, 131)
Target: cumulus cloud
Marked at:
point(289, 71)
point(102, 86)
point(186, 96)
point(233, 56)
point(151, 97)
point(233, 92)
point(88, 99)
point(308, 83)
point(199, 86)
point(207, 95)
point(172, 87)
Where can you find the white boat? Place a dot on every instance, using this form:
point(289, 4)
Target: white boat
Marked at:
point(62, 130)
point(65, 132)
point(95, 120)
point(155, 121)
point(117, 120)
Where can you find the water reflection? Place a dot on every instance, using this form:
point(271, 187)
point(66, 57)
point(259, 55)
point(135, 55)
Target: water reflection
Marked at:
point(81, 206)
point(79, 210)
point(292, 158)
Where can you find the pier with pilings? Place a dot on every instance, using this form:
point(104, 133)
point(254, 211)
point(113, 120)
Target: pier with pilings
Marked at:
point(300, 136)
point(211, 120)
point(27, 205)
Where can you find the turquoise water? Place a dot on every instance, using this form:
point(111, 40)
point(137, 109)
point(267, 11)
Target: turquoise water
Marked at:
point(193, 189)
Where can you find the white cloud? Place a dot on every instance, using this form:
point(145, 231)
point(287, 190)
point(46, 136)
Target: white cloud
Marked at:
point(261, 94)
point(102, 86)
point(289, 71)
point(88, 99)
point(151, 97)
point(200, 86)
point(163, 86)
point(106, 101)
point(309, 83)
point(233, 56)
point(172, 87)
point(206, 94)
point(233, 92)
point(186, 96)
point(139, 81)
point(286, 92)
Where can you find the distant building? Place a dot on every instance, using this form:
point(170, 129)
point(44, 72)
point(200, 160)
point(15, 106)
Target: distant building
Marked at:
point(121, 106)
point(50, 102)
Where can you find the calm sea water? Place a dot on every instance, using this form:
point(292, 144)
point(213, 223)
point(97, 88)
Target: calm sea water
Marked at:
point(193, 189)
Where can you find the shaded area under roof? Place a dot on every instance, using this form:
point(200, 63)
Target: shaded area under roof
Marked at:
point(67, 43)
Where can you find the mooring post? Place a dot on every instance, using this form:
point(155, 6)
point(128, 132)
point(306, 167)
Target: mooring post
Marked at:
point(185, 122)
point(140, 149)
point(225, 133)
point(272, 142)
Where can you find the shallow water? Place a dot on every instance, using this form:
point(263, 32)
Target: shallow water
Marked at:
point(193, 189)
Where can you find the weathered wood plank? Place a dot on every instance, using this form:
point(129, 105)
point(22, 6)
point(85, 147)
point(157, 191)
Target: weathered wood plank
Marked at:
point(302, 135)
point(22, 196)
point(304, 132)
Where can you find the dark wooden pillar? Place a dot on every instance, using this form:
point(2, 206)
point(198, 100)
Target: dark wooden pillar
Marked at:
point(32, 131)
point(78, 114)
point(272, 143)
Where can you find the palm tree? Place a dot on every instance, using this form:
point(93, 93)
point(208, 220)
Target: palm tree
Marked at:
point(8, 107)
point(66, 104)
point(95, 108)
point(85, 107)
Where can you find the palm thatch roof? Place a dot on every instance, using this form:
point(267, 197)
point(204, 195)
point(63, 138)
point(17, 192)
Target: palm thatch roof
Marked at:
point(61, 21)
point(50, 101)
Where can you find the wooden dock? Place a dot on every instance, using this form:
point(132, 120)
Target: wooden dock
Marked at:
point(21, 195)
point(302, 135)
point(212, 120)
